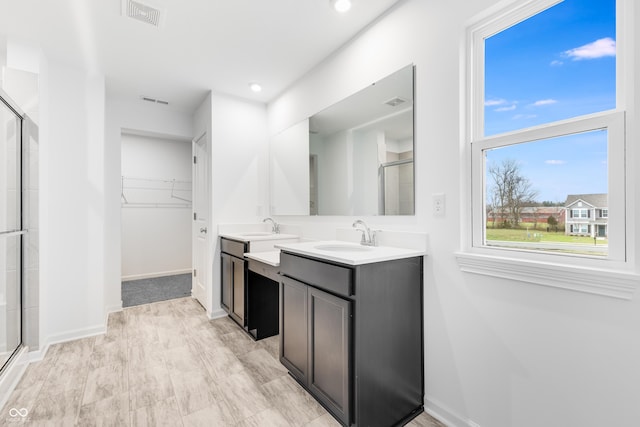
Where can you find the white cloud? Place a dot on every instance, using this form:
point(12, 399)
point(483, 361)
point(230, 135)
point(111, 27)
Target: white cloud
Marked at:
point(494, 102)
point(556, 63)
point(509, 108)
point(542, 102)
point(597, 49)
point(555, 162)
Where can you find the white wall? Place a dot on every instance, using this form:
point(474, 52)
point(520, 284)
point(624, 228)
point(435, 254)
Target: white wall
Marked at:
point(71, 203)
point(289, 170)
point(129, 114)
point(335, 183)
point(240, 165)
point(497, 352)
point(238, 139)
point(365, 170)
point(156, 228)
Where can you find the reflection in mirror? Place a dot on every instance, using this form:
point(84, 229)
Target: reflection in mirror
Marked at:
point(289, 152)
point(359, 151)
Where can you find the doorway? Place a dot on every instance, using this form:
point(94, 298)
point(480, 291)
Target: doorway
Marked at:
point(156, 202)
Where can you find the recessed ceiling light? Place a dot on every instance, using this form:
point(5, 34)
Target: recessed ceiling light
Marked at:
point(255, 87)
point(341, 5)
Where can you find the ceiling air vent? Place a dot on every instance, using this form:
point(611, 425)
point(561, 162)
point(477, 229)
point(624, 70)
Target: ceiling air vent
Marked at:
point(153, 100)
point(141, 12)
point(394, 102)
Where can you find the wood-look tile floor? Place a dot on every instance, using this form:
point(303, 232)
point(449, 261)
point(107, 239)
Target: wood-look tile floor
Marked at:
point(166, 364)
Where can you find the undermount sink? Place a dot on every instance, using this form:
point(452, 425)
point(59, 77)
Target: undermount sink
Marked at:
point(337, 247)
point(256, 233)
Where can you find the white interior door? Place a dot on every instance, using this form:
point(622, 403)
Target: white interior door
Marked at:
point(200, 230)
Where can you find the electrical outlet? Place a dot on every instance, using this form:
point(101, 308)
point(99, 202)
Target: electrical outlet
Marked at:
point(438, 205)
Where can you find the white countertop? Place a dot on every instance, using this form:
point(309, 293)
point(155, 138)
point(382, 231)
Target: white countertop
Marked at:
point(257, 236)
point(349, 253)
point(268, 257)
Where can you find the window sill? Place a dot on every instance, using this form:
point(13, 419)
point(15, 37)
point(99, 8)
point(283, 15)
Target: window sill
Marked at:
point(609, 283)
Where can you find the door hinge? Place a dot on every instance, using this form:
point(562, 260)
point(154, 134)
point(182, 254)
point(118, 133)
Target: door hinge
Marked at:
point(195, 272)
point(195, 160)
point(195, 216)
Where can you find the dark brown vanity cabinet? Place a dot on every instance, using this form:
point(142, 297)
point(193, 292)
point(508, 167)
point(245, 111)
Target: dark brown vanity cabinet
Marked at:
point(234, 273)
point(352, 336)
point(315, 333)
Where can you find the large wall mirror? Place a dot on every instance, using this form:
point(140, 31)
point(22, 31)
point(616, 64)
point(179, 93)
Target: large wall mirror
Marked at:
point(353, 158)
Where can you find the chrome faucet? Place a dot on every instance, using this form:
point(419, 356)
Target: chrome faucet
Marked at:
point(368, 236)
point(275, 227)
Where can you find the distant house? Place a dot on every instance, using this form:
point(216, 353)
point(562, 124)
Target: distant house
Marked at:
point(540, 214)
point(534, 216)
point(587, 215)
point(530, 216)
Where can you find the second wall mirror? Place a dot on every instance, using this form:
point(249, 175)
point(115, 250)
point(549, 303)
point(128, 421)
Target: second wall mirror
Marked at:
point(353, 158)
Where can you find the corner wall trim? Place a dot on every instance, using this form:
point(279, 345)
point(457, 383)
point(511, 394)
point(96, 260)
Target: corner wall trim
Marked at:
point(217, 314)
point(442, 413)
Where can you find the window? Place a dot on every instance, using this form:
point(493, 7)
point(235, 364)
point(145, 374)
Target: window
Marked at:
point(579, 213)
point(580, 228)
point(546, 127)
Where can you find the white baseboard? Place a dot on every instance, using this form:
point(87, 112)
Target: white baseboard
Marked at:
point(217, 314)
point(77, 334)
point(156, 274)
point(38, 355)
point(12, 375)
point(113, 309)
point(445, 415)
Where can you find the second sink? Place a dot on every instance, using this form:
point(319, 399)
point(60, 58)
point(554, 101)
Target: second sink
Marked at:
point(337, 247)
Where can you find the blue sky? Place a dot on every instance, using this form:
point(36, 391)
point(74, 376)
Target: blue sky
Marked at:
point(556, 65)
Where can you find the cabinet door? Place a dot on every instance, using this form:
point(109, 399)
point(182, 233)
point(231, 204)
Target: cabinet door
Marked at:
point(293, 327)
point(227, 282)
point(329, 331)
point(238, 291)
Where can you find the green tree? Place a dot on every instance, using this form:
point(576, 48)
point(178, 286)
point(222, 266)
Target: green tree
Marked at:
point(511, 191)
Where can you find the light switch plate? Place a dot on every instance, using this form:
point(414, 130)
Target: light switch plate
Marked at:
point(438, 204)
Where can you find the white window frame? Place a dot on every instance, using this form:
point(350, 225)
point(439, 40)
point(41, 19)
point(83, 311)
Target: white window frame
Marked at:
point(616, 276)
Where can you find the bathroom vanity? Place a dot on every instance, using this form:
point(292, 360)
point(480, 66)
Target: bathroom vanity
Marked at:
point(233, 278)
point(351, 329)
point(249, 287)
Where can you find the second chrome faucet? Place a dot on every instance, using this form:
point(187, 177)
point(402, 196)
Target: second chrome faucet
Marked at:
point(368, 236)
point(275, 227)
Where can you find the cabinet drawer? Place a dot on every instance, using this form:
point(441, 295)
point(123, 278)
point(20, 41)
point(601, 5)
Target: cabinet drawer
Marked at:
point(265, 270)
point(233, 247)
point(319, 274)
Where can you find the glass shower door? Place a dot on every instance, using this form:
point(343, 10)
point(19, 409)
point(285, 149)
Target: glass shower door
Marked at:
point(11, 232)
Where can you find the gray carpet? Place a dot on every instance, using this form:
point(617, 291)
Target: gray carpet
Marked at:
point(144, 291)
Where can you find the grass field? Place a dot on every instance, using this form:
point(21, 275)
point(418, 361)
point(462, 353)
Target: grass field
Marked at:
point(522, 235)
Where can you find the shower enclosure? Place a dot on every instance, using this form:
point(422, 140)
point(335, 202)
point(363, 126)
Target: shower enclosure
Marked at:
point(396, 188)
point(12, 230)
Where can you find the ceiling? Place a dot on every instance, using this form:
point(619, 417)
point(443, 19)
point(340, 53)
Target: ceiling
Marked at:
point(368, 109)
point(200, 45)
